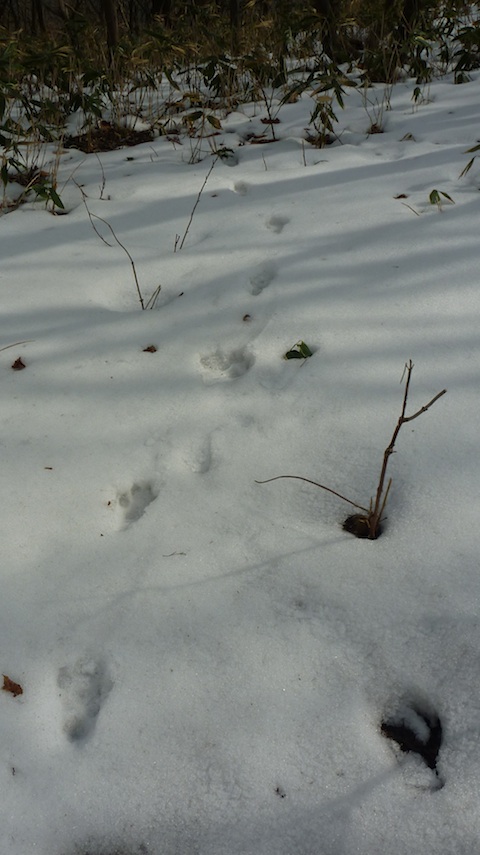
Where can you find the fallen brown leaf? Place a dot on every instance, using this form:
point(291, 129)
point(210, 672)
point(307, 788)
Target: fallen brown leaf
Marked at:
point(18, 364)
point(9, 686)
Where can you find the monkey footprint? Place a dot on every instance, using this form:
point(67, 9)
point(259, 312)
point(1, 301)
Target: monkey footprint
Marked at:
point(276, 223)
point(84, 687)
point(261, 277)
point(226, 365)
point(133, 502)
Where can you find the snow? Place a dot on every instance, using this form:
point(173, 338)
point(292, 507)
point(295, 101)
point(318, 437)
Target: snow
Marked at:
point(206, 662)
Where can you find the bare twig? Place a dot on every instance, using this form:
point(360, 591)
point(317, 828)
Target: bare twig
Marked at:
point(104, 180)
point(202, 188)
point(379, 506)
point(71, 176)
point(120, 244)
point(328, 489)
point(412, 209)
point(150, 304)
point(425, 408)
point(97, 232)
point(17, 343)
point(369, 525)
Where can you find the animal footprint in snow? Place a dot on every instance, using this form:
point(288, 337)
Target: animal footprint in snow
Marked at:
point(229, 365)
point(416, 729)
point(276, 223)
point(240, 188)
point(133, 502)
point(261, 277)
point(84, 688)
point(198, 457)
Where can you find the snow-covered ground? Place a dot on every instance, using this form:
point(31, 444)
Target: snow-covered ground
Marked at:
point(206, 662)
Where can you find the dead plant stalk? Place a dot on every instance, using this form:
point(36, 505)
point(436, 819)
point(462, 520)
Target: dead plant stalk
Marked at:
point(369, 523)
point(152, 300)
point(178, 246)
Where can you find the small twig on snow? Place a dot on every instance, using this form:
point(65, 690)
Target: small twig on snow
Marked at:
point(120, 244)
point(369, 525)
point(316, 484)
point(17, 343)
point(202, 188)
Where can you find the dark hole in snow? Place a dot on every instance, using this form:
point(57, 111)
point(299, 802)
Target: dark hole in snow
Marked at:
point(415, 730)
point(357, 524)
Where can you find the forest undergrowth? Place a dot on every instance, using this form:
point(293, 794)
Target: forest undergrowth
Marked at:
point(106, 77)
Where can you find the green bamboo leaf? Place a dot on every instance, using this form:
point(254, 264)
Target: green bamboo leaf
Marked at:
point(56, 199)
point(300, 350)
point(467, 168)
point(304, 349)
point(214, 122)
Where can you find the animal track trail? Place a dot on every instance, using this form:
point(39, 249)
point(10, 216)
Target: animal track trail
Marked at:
point(132, 503)
point(84, 688)
point(276, 223)
point(226, 365)
point(261, 277)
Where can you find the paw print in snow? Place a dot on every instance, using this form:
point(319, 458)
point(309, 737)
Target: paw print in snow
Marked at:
point(198, 456)
point(240, 188)
point(133, 502)
point(84, 688)
point(276, 223)
point(261, 277)
point(226, 366)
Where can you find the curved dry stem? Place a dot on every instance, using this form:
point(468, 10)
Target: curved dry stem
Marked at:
point(316, 484)
point(380, 497)
point(374, 513)
point(17, 343)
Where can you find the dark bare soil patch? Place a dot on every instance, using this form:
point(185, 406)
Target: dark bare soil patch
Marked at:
point(107, 137)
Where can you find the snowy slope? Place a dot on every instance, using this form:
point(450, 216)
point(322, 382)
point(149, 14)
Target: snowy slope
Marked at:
point(206, 662)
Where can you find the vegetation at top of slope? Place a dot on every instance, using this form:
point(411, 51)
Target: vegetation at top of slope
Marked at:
point(108, 73)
